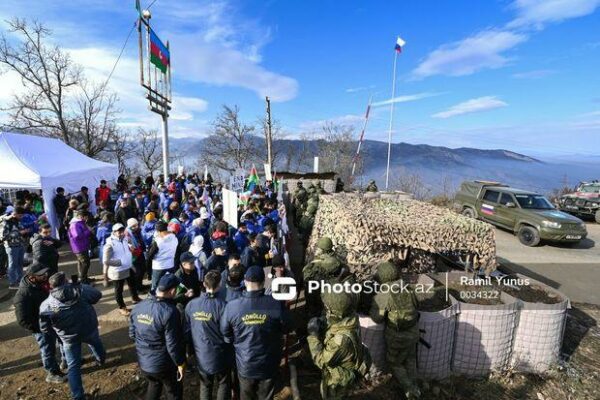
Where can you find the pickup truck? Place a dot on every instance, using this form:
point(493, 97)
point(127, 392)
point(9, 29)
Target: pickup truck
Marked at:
point(529, 215)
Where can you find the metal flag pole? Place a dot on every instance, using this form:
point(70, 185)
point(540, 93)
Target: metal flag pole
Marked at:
point(362, 135)
point(387, 171)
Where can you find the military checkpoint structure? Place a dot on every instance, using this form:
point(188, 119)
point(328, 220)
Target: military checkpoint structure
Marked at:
point(282, 285)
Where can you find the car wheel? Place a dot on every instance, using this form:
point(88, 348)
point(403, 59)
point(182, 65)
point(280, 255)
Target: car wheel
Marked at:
point(529, 236)
point(469, 212)
point(598, 216)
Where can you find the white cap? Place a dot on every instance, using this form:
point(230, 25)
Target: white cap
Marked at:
point(132, 222)
point(117, 227)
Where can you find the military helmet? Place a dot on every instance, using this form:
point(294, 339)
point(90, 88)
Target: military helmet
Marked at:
point(337, 304)
point(325, 244)
point(387, 272)
point(330, 265)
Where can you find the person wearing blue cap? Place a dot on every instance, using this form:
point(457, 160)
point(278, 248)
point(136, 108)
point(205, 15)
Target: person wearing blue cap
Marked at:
point(156, 328)
point(255, 324)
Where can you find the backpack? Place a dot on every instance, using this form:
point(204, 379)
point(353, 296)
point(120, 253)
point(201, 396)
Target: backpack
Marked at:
point(402, 313)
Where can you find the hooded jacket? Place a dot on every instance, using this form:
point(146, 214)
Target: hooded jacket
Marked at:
point(69, 310)
point(148, 231)
point(202, 317)
point(46, 254)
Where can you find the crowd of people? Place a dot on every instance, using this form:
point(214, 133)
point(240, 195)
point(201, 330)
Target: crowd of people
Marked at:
point(208, 300)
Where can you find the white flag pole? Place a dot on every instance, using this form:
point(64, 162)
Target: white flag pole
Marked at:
point(387, 171)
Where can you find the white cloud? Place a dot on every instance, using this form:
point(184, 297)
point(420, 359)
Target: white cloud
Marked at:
point(349, 119)
point(215, 45)
point(538, 12)
point(536, 74)
point(404, 99)
point(223, 66)
point(472, 106)
point(359, 89)
point(481, 51)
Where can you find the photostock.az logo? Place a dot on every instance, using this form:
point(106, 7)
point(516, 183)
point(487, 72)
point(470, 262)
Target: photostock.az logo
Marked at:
point(283, 288)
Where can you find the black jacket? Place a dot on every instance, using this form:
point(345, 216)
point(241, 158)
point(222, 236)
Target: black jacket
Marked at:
point(27, 303)
point(123, 214)
point(218, 263)
point(46, 254)
point(190, 281)
point(60, 204)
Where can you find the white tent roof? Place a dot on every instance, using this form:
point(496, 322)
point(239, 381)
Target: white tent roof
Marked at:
point(40, 163)
point(34, 162)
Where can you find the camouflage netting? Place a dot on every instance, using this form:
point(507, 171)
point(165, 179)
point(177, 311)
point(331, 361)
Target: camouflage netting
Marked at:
point(367, 231)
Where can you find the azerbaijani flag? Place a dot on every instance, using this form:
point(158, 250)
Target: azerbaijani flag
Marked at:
point(252, 179)
point(399, 44)
point(159, 54)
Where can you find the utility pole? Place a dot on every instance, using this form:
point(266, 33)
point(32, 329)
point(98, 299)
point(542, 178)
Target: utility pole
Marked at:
point(269, 134)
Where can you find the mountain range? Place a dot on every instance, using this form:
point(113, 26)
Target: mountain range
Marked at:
point(435, 167)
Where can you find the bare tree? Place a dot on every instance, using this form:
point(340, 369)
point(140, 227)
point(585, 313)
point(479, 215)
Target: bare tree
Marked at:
point(48, 75)
point(336, 149)
point(94, 125)
point(120, 149)
point(57, 101)
point(412, 183)
point(149, 150)
point(231, 145)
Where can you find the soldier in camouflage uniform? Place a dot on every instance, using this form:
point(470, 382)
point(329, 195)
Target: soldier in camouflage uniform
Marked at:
point(336, 347)
point(319, 188)
point(399, 313)
point(321, 268)
point(372, 186)
point(300, 198)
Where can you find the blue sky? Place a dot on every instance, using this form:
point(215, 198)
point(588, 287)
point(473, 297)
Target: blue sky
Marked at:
point(515, 74)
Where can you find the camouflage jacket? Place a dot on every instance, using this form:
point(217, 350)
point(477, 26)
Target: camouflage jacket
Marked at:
point(397, 310)
point(340, 355)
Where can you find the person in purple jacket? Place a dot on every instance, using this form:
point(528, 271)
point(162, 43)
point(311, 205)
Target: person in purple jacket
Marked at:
point(80, 239)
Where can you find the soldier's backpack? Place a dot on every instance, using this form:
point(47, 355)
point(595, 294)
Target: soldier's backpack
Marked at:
point(402, 311)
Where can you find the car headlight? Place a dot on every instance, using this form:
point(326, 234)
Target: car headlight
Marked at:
point(550, 224)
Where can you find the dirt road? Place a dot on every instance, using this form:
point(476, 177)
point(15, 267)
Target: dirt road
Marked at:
point(574, 270)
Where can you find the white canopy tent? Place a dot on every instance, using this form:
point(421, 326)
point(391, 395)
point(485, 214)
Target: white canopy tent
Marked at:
point(34, 162)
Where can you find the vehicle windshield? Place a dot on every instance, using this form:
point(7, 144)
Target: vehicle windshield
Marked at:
point(534, 201)
point(590, 189)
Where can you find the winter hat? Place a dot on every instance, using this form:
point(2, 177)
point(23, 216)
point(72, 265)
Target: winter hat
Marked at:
point(187, 257)
point(197, 244)
point(131, 222)
point(150, 217)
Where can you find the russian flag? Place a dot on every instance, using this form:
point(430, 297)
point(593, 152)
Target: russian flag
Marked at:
point(399, 44)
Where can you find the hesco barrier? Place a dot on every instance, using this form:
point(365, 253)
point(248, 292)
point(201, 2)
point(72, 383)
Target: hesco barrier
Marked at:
point(484, 334)
point(437, 330)
point(539, 335)
point(372, 335)
point(366, 232)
